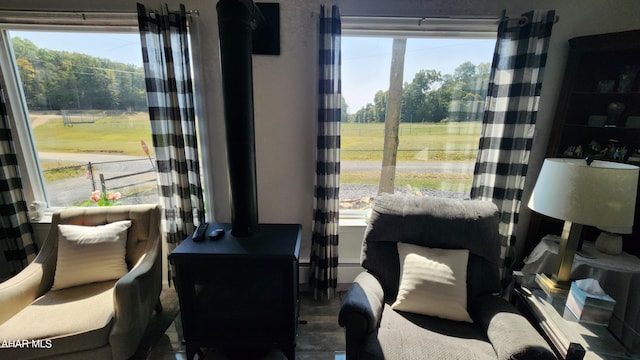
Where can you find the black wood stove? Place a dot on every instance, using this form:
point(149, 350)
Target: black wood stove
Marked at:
point(238, 285)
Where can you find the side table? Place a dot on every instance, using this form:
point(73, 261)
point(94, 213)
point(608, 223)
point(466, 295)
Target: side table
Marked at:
point(570, 339)
point(619, 276)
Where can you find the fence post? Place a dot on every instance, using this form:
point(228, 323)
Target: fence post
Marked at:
point(90, 172)
point(102, 183)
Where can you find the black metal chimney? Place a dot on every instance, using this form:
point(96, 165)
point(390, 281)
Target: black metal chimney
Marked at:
point(236, 21)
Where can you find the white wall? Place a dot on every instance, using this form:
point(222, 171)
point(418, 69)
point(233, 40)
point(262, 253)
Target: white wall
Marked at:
point(285, 89)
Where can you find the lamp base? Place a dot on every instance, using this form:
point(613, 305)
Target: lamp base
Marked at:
point(550, 286)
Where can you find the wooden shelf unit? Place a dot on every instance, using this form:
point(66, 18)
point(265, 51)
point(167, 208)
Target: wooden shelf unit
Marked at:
point(594, 78)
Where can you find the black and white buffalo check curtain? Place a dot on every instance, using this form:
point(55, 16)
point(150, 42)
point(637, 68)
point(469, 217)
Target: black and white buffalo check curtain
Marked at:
point(165, 54)
point(324, 240)
point(16, 243)
point(509, 120)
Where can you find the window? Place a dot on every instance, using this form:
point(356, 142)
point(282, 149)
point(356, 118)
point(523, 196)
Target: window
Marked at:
point(78, 100)
point(446, 70)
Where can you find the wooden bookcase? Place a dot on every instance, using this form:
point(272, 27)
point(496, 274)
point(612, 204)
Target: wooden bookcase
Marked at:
point(598, 111)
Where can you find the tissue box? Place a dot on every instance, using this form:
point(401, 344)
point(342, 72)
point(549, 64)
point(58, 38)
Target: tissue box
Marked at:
point(589, 307)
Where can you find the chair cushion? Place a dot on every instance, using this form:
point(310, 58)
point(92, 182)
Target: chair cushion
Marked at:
point(89, 254)
point(411, 336)
point(437, 223)
point(433, 282)
point(73, 319)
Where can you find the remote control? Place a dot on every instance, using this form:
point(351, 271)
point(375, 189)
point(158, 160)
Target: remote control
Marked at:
point(198, 234)
point(216, 234)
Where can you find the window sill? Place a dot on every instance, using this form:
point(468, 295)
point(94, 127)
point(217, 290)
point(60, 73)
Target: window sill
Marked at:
point(46, 216)
point(354, 218)
point(352, 223)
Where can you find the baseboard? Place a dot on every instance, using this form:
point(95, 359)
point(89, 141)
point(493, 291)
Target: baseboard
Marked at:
point(347, 272)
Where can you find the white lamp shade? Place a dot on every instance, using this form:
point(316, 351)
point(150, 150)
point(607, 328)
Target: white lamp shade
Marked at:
point(617, 230)
point(602, 194)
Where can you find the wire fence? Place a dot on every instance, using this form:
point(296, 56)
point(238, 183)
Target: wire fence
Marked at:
point(75, 116)
point(131, 177)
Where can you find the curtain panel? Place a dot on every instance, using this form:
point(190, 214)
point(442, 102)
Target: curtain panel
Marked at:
point(16, 243)
point(324, 240)
point(509, 120)
point(165, 52)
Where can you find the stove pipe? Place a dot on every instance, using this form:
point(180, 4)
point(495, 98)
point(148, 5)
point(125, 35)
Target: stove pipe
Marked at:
point(236, 21)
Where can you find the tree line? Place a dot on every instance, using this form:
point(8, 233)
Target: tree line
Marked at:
point(56, 80)
point(432, 97)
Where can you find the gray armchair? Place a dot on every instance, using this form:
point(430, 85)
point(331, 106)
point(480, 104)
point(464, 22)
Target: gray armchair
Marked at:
point(374, 330)
point(95, 320)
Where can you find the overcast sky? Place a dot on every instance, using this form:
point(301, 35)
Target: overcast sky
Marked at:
point(365, 60)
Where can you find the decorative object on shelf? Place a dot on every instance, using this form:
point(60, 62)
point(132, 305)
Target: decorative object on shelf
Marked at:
point(635, 156)
point(36, 210)
point(611, 148)
point(626, 77)
point(614, 111)
point(600, 194)
point(570, 151)
point(578, 151)
point(613, 151)
point(594, 147)
point(610, 241)
point(606, 86)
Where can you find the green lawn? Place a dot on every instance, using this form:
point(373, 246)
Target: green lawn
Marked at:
point(59, 170)
point(440, 181)
point(418, 142)
point(109, 135)
point(453, 141)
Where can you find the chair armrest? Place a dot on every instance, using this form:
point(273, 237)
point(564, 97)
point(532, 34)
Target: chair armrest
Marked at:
point(361, 311)
point(135, 296)
point(19, 291)
point(510, 333)
point(33, 281)
point(363, 303)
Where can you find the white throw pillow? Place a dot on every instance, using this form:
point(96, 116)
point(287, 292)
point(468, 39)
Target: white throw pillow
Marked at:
point(433, 282)
point(88, 254)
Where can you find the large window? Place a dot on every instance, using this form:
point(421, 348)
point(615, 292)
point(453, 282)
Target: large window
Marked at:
point(79, 103)
point(441, 104)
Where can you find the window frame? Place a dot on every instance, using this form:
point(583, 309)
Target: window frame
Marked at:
point(96, 22)
point(411, 27)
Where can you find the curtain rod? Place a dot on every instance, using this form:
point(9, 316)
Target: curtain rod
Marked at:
point(36, 17)
point(523, 20)
point(425, 26)
point(188, 12)
point(90, 18)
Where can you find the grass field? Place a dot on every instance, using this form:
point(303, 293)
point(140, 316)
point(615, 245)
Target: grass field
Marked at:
point(437, 181)
point(360, 142)
point(418, 142)
point(109, 135)
point(122, 135)
point(434, 142)
point(59, 170)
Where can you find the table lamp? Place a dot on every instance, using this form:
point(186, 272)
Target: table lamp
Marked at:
point(601, 194)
